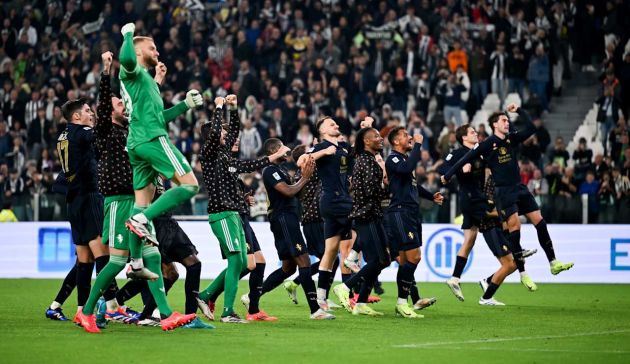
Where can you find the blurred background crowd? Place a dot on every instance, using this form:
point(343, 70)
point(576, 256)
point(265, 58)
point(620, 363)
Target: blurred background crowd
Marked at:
point(429, 65)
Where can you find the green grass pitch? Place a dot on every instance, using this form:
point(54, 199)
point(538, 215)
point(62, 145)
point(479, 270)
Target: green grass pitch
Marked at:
point(560, 323)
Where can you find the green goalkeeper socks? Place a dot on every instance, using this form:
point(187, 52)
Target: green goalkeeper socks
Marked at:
point(228, 278)
point(153, 262)
point(115, 265)
point(170, 199)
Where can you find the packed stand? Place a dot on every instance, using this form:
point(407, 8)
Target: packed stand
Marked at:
point(427, 65)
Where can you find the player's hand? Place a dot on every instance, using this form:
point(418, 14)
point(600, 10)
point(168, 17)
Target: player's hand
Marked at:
point(330, 150)
point(438, 198)
point(418, 138)
point(512, 108)
point(128, 28)
point(219, 101)
point(283, 151)
point(443, 180)
point(236, 145)
point(231, 101)
point(107, 61)
point(308, 168)
point(160, 73)
point(368, 122)
point(193, 99)
point(249, 199)
point(467, 168)
point(302, 160)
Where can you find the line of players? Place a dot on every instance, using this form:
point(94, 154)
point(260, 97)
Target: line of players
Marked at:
point(373, 182)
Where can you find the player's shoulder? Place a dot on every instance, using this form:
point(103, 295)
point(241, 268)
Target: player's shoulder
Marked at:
point(394, 158)
point(321, 145)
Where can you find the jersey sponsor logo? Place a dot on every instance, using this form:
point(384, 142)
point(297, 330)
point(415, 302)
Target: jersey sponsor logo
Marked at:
point(119, 238)
point(276, 176)
point(440, 251)
point(232, 170)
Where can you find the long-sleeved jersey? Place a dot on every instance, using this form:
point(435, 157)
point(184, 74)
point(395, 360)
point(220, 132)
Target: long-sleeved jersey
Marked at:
point(367, 188)
point(309, 198)
point(141, 96)
point(500, 154)
point(114, 169)
point(471, 183)
point(403, 186)
point(220, 169)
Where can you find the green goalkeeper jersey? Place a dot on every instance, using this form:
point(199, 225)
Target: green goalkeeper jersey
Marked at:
point(141, 97)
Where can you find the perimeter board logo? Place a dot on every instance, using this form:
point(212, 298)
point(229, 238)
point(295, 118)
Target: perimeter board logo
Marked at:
point(440, 251)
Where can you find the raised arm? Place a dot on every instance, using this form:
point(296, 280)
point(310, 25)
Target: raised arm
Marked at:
point(234, 122)
point(398, 165)
point(211, 130)
point(294, 189)
point(104, 108)
point(529, 130)
point(171, 113)
point(472, 154)
point(250, 165)
point(128, 59)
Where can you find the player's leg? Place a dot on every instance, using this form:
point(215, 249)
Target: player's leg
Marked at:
point(325, 268)
point(470, 235)
point(526, 280)
point(498, 245)
point(169, 319)
point(54, 311)
point(165, 159)
point(170, 275)
point(345, 246)
point(535, 217)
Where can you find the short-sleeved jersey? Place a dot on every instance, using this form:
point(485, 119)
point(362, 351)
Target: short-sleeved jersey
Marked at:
point(333, 171)
point(75, 147)
point(278, 203)
point(141, 96)
point(403, 186)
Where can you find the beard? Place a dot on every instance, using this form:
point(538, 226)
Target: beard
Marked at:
point(149, 61)
point(122, 119)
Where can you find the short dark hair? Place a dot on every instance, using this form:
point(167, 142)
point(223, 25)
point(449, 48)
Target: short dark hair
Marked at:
point(271, 145)
point(461, 132)
point(298, 151)
point(72, 106)
point(320, 122)
point(394, 133)
point(359, 144)
point(495, 117)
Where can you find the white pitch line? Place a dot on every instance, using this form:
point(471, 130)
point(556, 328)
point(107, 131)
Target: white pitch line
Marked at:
point(497, 340)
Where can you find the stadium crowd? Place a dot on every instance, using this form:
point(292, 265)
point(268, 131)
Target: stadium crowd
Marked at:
point(427, 65)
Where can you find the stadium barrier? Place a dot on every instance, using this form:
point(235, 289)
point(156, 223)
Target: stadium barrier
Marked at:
point(601, 253)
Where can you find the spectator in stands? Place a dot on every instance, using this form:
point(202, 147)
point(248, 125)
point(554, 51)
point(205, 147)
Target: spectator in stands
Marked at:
point(516, 71)
point(590, 187)
point(457, 57)
point(452, 91)
point(7, 215)
point(498, 78)
point(15, 190)
point(538, 76)
point(607, 201)
point(608, 114)
point(583, 158)
point(538, 186)
point(250, 140)
point(559, 154)
point(618, 140)
point(5, 142)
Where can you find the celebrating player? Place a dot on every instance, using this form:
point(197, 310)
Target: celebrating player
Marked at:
point(403, 220)
point(332, 157)
point(150, 151)
point(368, 189)
point(474, 205)
point(512, 197)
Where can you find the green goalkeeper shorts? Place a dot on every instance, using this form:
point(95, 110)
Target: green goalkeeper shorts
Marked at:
point(156, 157)
point(228, 229)
point(117, 211)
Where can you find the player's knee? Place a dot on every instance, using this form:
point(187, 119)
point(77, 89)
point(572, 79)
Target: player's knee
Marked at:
point(192, 189)
point(193, 268)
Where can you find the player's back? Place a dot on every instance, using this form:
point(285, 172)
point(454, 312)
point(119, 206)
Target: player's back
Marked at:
point(141, 96)
point(78, 159)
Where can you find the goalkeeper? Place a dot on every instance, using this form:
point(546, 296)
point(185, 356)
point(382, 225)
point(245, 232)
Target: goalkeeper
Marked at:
point(150, 151)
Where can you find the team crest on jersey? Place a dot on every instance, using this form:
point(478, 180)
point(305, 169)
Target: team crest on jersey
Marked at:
point(503, 151)
point(505, 248)
point(298, 247)
point(119, 238)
